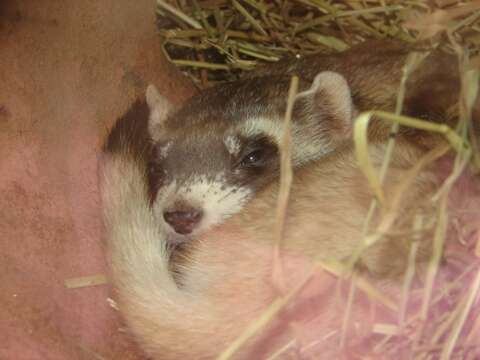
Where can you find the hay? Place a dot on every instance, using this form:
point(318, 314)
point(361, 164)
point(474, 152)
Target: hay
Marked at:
point(85, 281)
point(286, 176)
point(215, 40)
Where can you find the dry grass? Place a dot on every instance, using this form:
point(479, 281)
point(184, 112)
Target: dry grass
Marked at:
point(85, 281)
point(214, 40)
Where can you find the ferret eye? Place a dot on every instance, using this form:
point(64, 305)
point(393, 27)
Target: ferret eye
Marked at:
point(253, 158)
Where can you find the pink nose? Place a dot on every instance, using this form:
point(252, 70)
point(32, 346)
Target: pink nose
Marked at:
point(183, 221)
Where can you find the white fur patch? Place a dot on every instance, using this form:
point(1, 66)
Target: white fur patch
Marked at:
point(159, 107)
point(232, 143)
point(261, 126)
point(217, 200)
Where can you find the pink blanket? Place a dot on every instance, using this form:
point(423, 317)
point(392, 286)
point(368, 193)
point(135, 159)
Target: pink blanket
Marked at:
point(67, 71)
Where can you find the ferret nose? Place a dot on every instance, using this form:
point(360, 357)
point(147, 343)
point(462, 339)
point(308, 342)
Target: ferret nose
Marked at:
point(183, 221)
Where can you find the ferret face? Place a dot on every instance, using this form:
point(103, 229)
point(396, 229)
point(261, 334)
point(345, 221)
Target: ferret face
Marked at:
point(205, 174)
point(212, 155)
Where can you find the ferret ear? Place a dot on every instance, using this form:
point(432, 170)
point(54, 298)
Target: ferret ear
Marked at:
point(329, 99)
point(160, 108)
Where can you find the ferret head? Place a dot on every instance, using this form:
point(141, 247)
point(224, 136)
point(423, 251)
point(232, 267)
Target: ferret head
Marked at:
point(212, 155)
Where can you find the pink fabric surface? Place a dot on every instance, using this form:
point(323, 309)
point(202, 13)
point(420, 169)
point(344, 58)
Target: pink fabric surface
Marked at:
point(68, 69)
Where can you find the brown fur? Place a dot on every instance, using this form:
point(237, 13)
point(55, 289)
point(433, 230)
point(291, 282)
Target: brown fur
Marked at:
point(373, 71)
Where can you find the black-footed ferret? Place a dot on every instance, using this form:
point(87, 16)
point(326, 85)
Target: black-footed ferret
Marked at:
point(213, 154)
point(226, 276)
point(217, 157)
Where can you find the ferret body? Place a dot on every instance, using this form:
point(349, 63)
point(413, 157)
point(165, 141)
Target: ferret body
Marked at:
point(205, 157)
point(213, 154)
point(224, 283)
